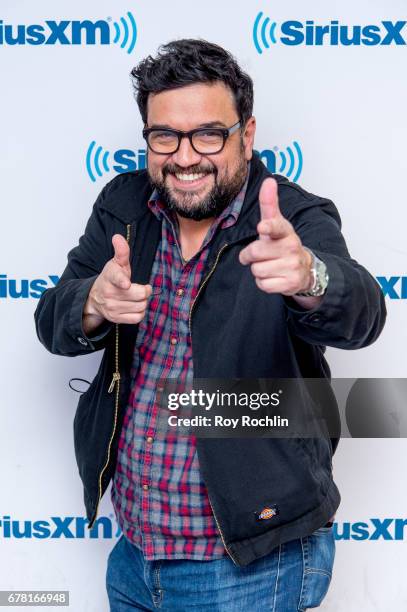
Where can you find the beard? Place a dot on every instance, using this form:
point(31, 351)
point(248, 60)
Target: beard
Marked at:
point(188, 204)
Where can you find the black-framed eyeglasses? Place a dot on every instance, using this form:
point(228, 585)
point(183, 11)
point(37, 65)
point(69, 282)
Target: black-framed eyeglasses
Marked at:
point(206, 141)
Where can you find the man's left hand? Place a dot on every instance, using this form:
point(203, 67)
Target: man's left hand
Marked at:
point(278, 261)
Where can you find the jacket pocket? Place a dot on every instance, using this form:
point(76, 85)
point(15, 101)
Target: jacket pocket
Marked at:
point(93, 426)
point(318, 452)
point(83, 405)
point(80, 432)
point(307, 447)
point(316, 462)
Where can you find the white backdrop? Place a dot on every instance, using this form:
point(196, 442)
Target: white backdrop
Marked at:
point(340, 108)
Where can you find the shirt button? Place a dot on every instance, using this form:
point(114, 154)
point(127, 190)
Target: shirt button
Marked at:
point(145, 487)
point(160, 389)
point(150, 439)
point(173, 340)
point(180, 292)
point(82, 340)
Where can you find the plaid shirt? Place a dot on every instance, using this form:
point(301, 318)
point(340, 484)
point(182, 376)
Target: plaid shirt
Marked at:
point(159, 497)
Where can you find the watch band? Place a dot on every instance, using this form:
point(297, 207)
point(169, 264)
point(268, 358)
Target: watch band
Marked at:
point(320, 276)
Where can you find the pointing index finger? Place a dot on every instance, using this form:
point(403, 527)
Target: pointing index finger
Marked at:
point(273, 224)
point(268, 199)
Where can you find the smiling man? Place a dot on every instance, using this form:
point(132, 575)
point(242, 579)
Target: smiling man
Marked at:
point(206, 265)
point(192, 184)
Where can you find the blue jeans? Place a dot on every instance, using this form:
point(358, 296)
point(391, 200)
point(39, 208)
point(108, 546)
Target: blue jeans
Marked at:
point(293, 577)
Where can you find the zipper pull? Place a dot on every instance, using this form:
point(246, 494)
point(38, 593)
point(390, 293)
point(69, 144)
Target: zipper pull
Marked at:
point(116, 376)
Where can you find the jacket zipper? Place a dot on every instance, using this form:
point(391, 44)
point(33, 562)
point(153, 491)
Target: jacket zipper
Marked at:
point(221, 534)
point(115, 381)
point(207, 277)
point(190, 335)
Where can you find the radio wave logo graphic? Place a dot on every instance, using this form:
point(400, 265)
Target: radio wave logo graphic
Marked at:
point(96, 161)
point(265, 30)
point(291, 161)
point(125, 32)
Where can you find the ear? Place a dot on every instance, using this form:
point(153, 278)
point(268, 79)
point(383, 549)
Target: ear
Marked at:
point(248, 137)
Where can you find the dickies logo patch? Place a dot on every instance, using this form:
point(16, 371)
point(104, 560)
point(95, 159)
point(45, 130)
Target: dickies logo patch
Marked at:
point(267, 513)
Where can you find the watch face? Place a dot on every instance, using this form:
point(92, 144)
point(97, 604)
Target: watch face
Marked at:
point(322, 277)
point(320, 274)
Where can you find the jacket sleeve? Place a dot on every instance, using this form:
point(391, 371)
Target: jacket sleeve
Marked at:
point(352, 312)
point(58, 316)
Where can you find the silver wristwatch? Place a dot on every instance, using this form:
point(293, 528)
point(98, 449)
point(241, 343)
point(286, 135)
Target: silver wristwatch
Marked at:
point(320, 276)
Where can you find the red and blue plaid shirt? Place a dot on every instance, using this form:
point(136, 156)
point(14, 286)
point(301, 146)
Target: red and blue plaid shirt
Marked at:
point(160, 500)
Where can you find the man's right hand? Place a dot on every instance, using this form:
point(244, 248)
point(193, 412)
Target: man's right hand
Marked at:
point(113, 296)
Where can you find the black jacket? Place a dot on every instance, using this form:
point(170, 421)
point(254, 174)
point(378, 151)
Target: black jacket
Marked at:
point(237, 331)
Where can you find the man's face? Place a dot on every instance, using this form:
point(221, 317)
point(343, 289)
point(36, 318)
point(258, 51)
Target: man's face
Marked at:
point(223, 174)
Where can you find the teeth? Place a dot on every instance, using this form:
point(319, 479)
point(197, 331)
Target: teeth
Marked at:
point(189, 177)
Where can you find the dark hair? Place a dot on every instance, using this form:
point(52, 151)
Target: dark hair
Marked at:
point(187, 61)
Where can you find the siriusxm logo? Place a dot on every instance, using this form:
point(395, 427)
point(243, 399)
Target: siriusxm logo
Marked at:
point(287, 161)
point(69, 527)
point(122, 32)
point(393, 287)
point(375, 529)
point(294, 33)
point(106, 527)
point(98, 160)
point(24, 288)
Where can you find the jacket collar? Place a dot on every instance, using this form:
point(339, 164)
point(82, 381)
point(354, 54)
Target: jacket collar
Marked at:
point(126, 196)
point(135, 190)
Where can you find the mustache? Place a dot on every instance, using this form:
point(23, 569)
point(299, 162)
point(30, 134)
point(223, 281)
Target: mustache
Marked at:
point(173, 169)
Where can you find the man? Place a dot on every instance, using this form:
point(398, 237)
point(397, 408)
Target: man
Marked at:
point(206, 266)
